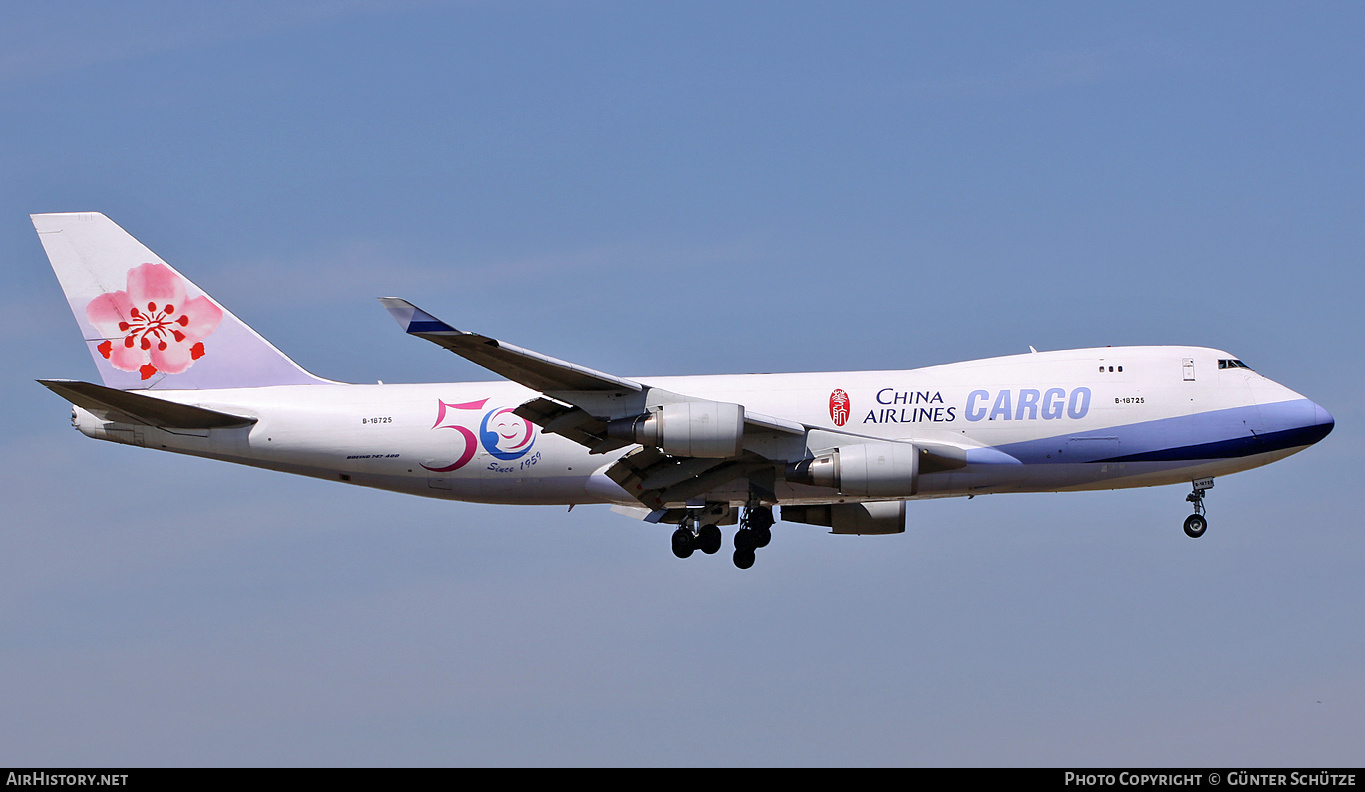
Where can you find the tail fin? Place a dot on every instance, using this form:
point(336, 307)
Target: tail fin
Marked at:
point(147, 325)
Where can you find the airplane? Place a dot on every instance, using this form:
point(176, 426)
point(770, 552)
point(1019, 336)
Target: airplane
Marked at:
point(840, 450)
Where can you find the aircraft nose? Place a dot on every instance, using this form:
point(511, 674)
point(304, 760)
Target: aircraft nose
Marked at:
point(1323, 422)
point(1295, 423)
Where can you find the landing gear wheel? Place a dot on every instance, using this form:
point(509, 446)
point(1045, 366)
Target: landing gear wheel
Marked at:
point(1195, 525)
point(709, 539)
point(683, 542)
point(744, 558)
point(744, 542)
point(755, 528)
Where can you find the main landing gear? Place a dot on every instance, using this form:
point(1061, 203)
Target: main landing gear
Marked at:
point(705, 538)
point(696, 533)
point(1196, 523)
point(755, 531)
point(697, 529)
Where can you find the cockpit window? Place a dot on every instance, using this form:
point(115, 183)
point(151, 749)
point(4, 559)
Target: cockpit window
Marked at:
point(1227, 364)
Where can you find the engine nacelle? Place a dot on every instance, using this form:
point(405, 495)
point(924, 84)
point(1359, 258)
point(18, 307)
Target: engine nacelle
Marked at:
point(877, 517)
point(870, 470)
point(694, 428)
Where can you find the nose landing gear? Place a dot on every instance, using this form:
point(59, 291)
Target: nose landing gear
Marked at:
point(1196, 523)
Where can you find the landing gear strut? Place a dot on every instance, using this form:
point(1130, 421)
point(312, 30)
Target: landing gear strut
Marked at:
point(693, 534)
point(1196, 524)
point(754, 533)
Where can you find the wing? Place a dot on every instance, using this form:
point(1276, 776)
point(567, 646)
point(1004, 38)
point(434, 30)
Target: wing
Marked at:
point(676, 461)
point(687, 446)
point(532, 369)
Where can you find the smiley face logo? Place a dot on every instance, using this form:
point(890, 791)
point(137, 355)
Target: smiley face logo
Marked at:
point(506, 435)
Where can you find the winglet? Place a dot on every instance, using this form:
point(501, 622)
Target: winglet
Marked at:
point(413, 319)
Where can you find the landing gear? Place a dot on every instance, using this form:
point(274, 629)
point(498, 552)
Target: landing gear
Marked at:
point(755, 532)
point(706, 539)
point(709, 539)
point(699, 529)
point(1196, 523)
point(684, 542)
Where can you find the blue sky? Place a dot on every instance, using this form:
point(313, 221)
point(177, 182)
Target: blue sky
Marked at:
point(688, 188)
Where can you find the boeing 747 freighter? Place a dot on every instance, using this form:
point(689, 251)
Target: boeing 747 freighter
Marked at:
point(843, 450)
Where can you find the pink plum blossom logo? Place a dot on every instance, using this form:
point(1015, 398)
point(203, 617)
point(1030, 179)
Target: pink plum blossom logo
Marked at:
point(152, 326)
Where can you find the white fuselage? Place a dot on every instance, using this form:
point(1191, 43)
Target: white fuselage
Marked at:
point(1070, 420)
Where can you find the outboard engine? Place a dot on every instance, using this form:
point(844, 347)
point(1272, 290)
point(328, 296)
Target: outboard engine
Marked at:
point(692, 428)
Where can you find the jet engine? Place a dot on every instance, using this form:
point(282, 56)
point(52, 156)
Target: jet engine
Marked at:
point(692, 428)
point(872, 470)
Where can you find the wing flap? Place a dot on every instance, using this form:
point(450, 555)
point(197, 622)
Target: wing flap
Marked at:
point(657, 479)
point(574, 423)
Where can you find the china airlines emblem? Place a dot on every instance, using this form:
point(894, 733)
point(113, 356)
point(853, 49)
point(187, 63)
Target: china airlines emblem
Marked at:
point(839, 407)
point(154, 326)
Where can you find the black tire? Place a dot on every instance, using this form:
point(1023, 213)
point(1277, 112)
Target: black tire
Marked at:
point(744, 558)
point(1195, 526)
point(683, 543)
point(709, 539)
point(762, 536)
point(761, 518)
point(744, 541)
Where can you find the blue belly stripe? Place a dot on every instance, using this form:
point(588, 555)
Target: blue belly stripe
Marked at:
point(1217, 434)
point(1229, 449)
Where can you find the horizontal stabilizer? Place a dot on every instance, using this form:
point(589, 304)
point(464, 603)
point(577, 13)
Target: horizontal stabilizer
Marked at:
point(145, 409)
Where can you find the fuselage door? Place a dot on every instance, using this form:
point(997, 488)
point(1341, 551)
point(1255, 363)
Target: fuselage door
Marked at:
point(437, 478)
point(1187, 366)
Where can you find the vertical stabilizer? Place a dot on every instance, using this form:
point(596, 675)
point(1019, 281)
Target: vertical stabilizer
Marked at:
point(147, 326)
